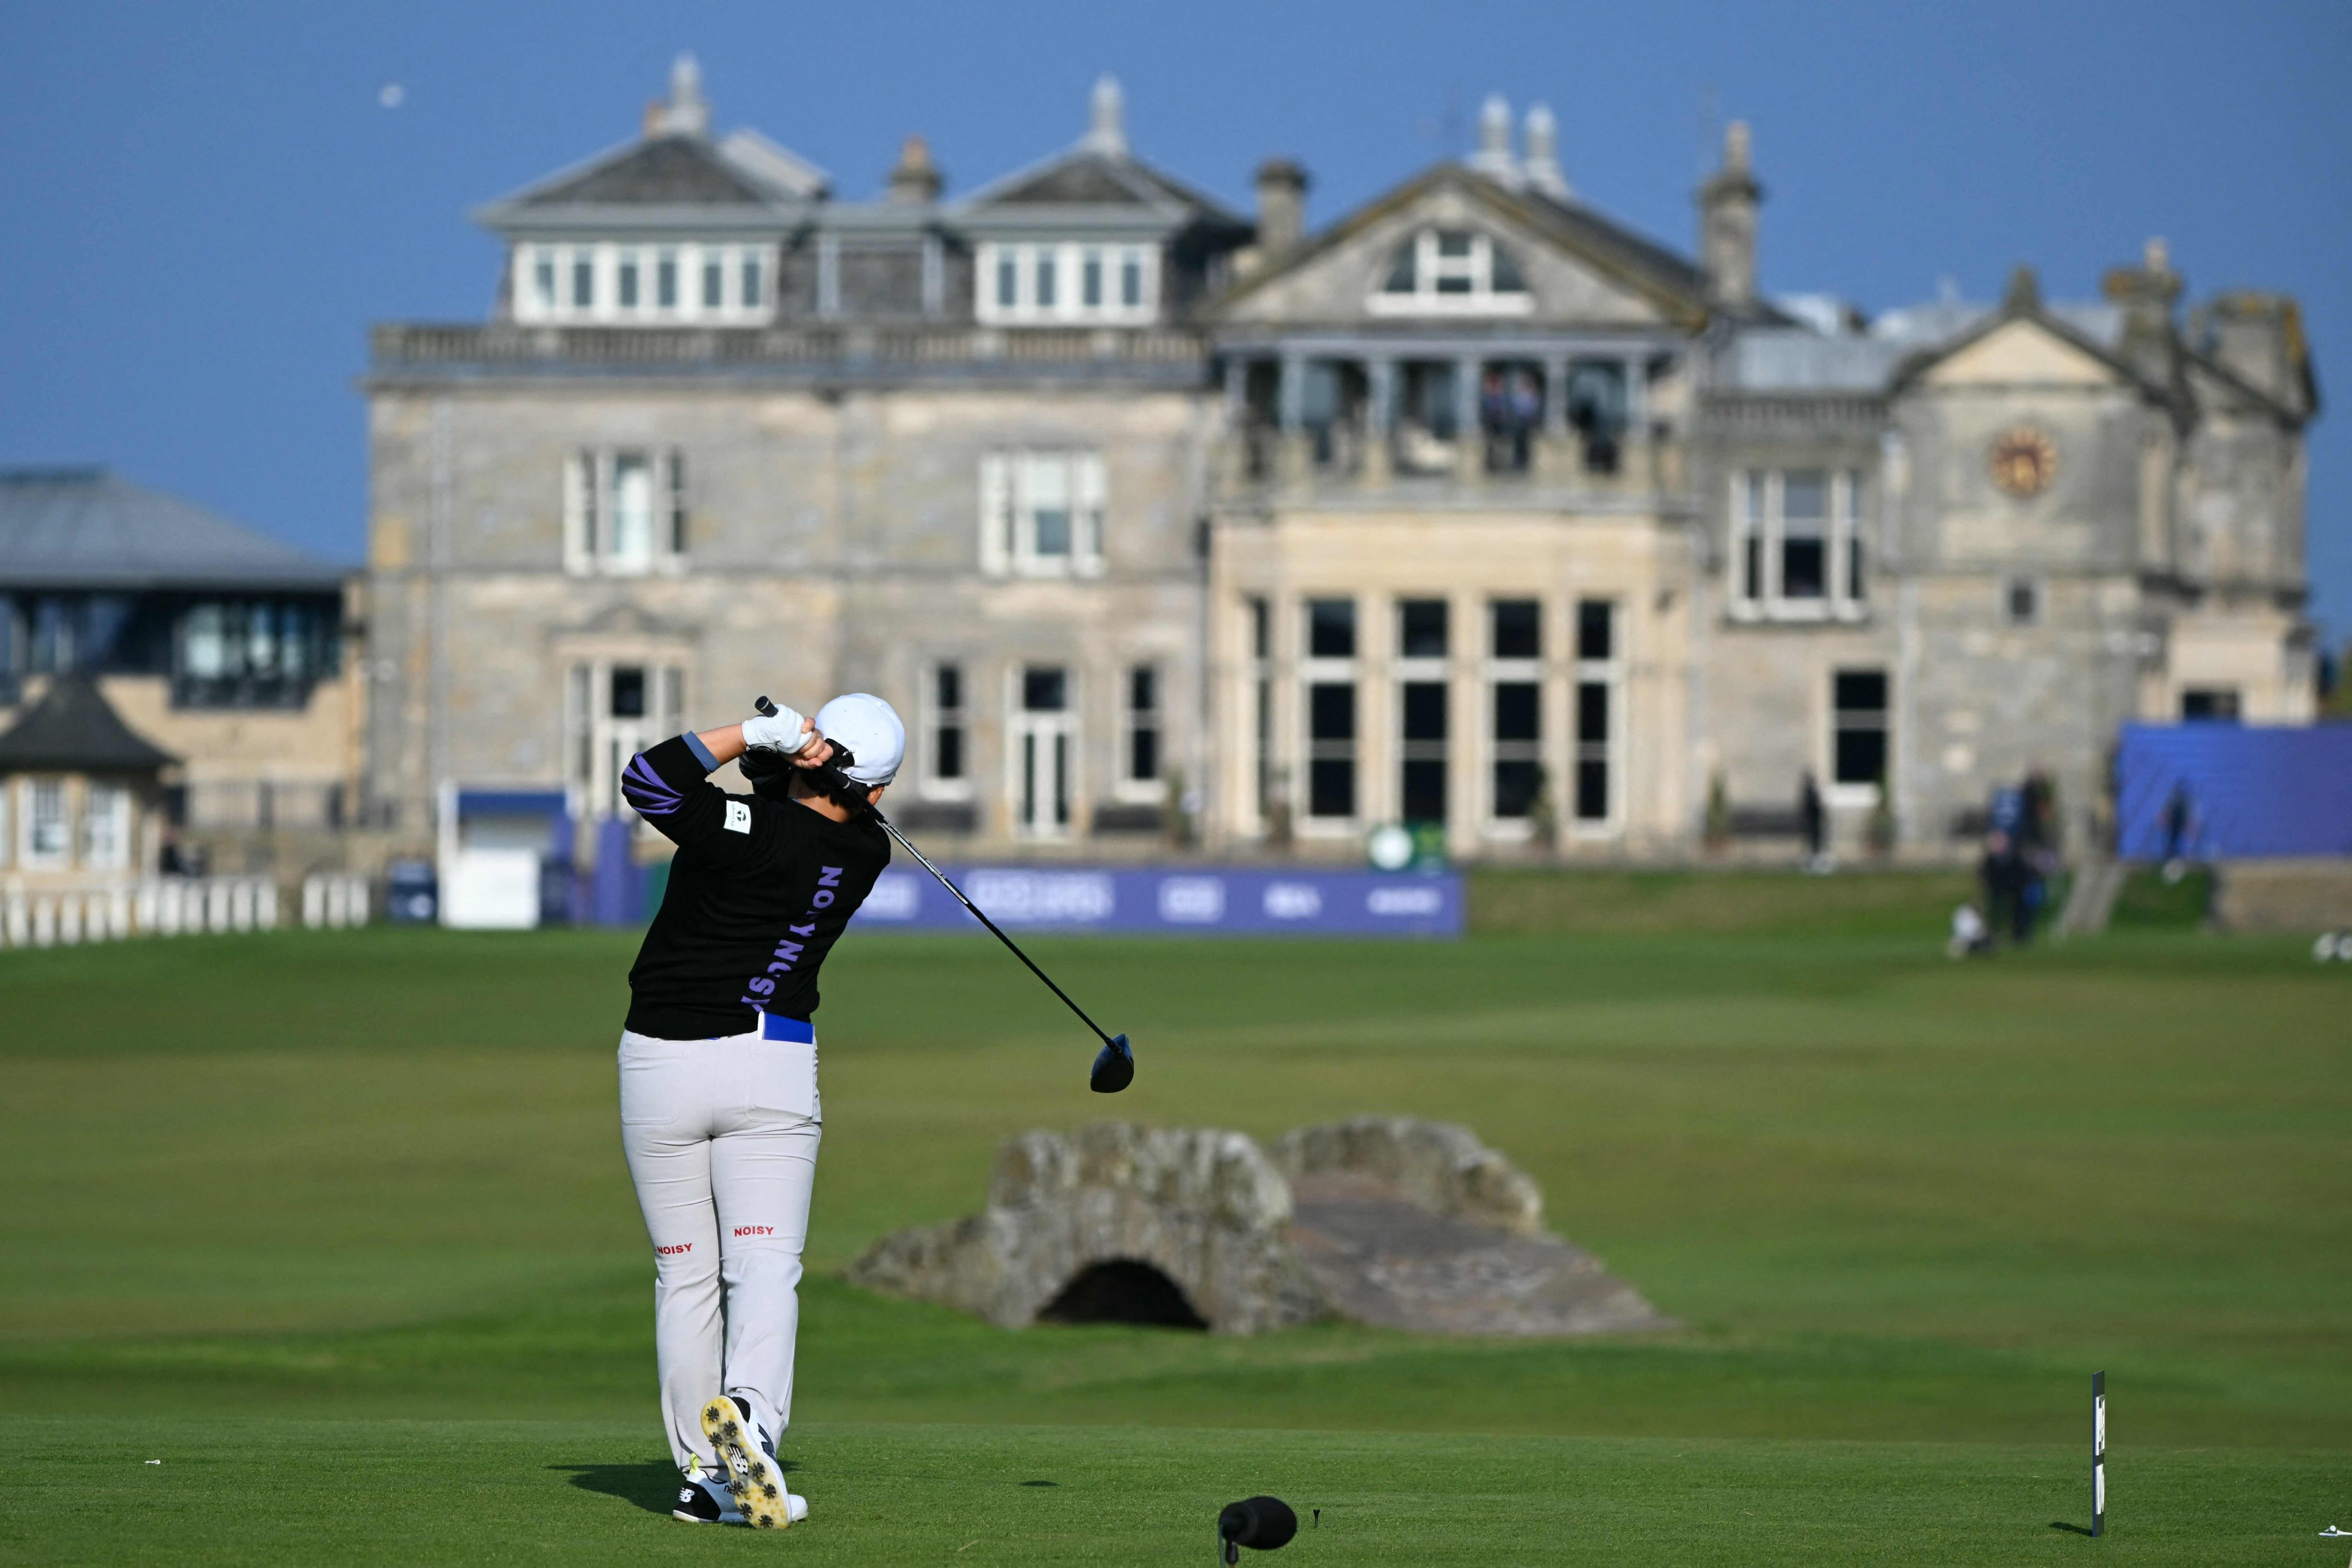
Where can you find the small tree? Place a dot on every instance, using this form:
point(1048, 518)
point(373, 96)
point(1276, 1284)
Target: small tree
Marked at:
point(1881, 829)
point(1543, 816)
point(1275, 809)
point(1718, 827)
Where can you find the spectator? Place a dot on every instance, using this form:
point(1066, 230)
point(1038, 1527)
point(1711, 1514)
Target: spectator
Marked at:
point(2179, 821)
point(1813, 820)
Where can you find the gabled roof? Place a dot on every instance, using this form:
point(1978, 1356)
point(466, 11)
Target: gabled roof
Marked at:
point(86, 528)
point(2023, 303)
point(1629, 257)
point(73, 729)
point(663, 171)
point(1084, 176)
point(669, 175)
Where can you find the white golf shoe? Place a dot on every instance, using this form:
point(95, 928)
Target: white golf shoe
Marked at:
point(702, 1497)
point(755, 1482)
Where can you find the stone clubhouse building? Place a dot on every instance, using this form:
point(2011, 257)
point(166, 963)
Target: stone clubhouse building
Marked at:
point(1473, 508)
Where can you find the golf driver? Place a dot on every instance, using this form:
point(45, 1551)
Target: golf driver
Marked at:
point(1113, 1067)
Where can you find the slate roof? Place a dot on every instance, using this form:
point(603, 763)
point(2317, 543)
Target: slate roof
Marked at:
point(745, 177)
point(664, 171)
point(73, 729)
point(1089, 176)
point(86, 528)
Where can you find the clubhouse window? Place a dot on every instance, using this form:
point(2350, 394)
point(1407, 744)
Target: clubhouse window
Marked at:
point(1796, 545)
point(1598, 701)
point(1042, 514)
point(1858, 727)
point(948, 775)
point(608, 284)
point(1422, 701)
point(1140, 776)
point(624, 511)
point(1514, 706)
point(1331, 710)
point(1066, 284)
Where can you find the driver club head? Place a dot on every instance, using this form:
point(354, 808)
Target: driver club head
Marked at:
point(1113, 1067)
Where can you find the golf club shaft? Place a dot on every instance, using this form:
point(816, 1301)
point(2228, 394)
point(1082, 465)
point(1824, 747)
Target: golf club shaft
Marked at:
point(768, 708)
point(887, 826)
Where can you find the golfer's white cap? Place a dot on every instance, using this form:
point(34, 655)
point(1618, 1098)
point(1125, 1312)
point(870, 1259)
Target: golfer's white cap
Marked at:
point(869, 727)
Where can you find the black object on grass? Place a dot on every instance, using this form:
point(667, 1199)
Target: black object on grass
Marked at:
point(1113, 1067)
point(1260, 1524)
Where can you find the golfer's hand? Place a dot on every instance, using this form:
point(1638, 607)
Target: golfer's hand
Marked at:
point(815, 751)
point(784, 732)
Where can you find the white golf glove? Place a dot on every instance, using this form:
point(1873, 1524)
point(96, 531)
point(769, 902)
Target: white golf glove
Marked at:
point(782, 732)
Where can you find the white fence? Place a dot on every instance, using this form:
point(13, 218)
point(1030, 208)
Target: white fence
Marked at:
point(171, 906)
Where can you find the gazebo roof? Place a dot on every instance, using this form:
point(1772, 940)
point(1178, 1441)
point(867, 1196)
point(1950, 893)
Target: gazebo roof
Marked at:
point(73, 729)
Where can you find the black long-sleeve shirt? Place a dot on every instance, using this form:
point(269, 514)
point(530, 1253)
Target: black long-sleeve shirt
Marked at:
point(759, 892)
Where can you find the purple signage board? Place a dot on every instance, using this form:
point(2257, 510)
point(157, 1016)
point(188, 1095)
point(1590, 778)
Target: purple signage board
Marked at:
point(1171, 900)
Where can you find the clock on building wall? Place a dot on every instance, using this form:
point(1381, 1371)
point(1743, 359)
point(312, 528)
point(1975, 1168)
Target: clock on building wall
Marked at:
point(2023, 461)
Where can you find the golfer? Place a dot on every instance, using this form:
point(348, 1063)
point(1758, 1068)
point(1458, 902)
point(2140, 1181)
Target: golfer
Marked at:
point(719, 1113)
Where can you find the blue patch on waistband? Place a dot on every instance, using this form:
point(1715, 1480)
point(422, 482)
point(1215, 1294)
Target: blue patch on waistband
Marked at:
point(776, 1026)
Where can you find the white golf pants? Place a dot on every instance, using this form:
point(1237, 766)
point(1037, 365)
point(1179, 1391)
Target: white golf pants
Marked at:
point(721, 1139)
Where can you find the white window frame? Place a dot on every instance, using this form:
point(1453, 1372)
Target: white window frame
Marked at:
point(1842, 531)
point(1024, 729)
point(1496, 672)
point(597, 745)
point(1477, 268)
point(1315, 672)
point(1011, 486)
point(29, 852)
point(105, 825)
point(938, 716)
point(1610, 674)
point(1422, 670)
point(1133, 718)
point(590, 482)
point(1069, 307)
point(1852, 796)
point(735, 307)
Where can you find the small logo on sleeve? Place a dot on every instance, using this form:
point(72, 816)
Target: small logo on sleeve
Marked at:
point(739, 817)
point(755, 1230)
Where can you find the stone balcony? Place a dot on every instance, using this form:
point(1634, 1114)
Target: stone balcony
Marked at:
point(1342, 465)
point(816, 355)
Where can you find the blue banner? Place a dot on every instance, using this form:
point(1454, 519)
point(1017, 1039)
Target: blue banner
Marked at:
point(2229, 792)
point(1185, 901)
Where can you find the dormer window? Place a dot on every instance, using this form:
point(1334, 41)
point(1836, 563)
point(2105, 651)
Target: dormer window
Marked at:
point(1067, 284)
point(597, 284)
point(1452, 272)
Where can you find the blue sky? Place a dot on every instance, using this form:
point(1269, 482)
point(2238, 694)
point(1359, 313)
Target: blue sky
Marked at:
point(203, 207)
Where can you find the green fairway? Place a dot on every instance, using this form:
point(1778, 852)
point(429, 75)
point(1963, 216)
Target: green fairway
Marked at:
point(361, 1194)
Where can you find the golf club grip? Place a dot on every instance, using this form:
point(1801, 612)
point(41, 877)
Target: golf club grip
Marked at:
point(767, 709)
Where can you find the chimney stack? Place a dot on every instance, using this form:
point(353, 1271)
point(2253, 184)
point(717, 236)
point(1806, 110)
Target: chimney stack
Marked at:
point(686, 113)
point(2147, 294)
point(1281, 207)
point(1107, 119)
point(1728, 206)
point(1493, 158)
point(1542, 168)
point(916, 180)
